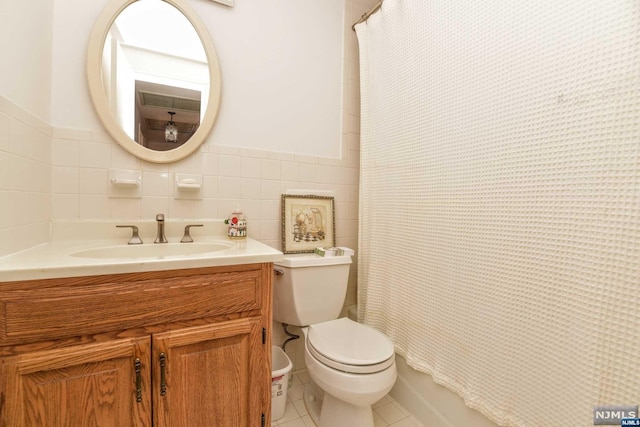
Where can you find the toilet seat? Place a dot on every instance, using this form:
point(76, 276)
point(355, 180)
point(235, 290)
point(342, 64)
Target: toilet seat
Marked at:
point(348, 346)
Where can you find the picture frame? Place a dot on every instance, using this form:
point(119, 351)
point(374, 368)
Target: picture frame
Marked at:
point(308, 222)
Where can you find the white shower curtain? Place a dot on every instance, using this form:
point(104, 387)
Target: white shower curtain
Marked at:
point(499, 241)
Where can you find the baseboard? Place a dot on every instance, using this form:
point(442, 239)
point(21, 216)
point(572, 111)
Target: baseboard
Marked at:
point(432, 404)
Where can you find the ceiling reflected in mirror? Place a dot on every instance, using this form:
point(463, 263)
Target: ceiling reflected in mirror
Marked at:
point(157, 26)
point(159, 106)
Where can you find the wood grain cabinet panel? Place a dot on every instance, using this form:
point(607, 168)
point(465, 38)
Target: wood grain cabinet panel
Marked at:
point(211, 375)
point(125, 301)
point(89, 385)
point(180, 348)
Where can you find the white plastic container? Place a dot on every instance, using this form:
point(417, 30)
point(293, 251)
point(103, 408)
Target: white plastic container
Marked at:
point(280, 373)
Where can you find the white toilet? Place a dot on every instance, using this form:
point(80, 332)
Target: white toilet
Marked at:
point(351, 365)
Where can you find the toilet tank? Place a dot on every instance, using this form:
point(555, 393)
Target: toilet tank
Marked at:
point(311, 288)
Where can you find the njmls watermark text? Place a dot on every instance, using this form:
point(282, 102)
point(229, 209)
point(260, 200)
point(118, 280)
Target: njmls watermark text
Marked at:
point(615, 414)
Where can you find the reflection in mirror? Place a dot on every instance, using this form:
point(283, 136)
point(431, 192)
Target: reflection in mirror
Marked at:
point(153, 65)
point(153, 72)
point(157, 107)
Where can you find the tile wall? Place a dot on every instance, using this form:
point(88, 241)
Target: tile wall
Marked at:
point(25, 179)
point(49, 173)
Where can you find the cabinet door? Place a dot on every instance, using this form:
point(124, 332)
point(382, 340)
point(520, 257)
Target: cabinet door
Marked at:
point(210, 376)
point(87, 385)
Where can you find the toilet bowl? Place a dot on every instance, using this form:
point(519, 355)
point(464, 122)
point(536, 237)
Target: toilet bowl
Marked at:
point(351, 365)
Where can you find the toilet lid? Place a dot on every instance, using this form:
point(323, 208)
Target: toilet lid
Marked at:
point(350, 346)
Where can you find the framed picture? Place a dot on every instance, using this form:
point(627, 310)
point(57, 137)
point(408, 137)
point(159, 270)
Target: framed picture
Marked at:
point(308, 222)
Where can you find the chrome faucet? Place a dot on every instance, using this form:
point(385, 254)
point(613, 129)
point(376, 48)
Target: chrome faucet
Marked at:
point(135, 237)
point(160, 237)
point(187, 236)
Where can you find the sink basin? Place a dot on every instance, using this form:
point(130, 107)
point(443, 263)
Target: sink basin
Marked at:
point(162, 250)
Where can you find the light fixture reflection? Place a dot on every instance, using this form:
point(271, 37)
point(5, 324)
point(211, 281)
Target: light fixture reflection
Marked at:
point(171, 130)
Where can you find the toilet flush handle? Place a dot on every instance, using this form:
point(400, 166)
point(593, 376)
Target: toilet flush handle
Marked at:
point(278, 271)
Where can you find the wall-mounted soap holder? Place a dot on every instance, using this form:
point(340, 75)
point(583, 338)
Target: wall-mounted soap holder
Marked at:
point(125, 184)
point(188, 186)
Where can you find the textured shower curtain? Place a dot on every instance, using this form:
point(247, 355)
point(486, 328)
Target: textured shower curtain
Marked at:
point(499, 240)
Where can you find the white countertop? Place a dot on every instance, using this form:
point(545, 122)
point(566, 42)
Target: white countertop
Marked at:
point(56, 259)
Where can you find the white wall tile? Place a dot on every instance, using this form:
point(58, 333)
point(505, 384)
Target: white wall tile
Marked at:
point(121, 159)
point(6, 217)
point(65, 206)
point(209, 186)
point(22, 140)
point(93, 181)
point(4, 132)
point(353, 157)
point(5, 170)
point(270, 169)
point(19, 175)
point(255, 229)
point(225, 149)
point(250, 188)
point(353, 176)
point(271, 229)
point(338, 175)
point(324, 174)
point(152, 205)
point(229, 187)
point(308, 172)
point(125, 209)
point(181, 209)
point(191, 164)
point(95, 154)
point(18, 206)
point(352, 193)
point(260, 154)
point(156, 167)
point(270, 209)
point(352, 123)
point(101, 135)
point(251, 209)
point(208, 209)
point(229, 165)
point(156, 184)
point(66, 153)
point(251, 167)
point(306, 159)
point(286, 157)
point(210, 164)
point(93, 206)
point(65, 180)
point(270, 190)
point(71, 134)
point(289, 171)
point(6, 241)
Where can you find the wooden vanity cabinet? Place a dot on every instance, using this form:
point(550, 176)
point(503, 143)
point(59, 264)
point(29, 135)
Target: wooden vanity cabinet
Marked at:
point(213, 373)
point(175, 348)
point(78, 386)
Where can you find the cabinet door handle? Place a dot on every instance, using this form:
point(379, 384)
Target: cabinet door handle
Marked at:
point(163, 380)
point(138, 367)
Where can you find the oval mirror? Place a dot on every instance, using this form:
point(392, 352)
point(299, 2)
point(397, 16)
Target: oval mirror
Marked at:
point(153, 77)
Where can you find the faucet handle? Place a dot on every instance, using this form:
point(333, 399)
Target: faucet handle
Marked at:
point(187, 237)
point(135, 237)
point(160, 217)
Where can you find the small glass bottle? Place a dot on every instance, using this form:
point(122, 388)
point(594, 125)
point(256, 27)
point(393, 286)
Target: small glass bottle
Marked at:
point(237, 225)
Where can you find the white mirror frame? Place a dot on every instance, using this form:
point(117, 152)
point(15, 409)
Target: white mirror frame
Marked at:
point(99, 98)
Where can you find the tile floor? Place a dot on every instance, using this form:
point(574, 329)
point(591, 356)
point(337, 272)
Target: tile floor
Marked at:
point(386, 413)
